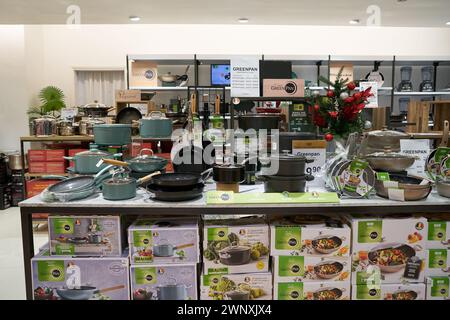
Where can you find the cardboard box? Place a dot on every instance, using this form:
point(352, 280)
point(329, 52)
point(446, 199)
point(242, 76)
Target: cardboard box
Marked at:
point(411, 291)
point(52, 155)
point(388, 249)
point(438, 262)
point(143, 74)
point(325, 290)
point(438, 232)
point(36, 155)
point(165, 241)
point(164, 282)
point(247, 286)
point(438, 288)
point(320, 238)
point(85, 235)
point(236, 246)
point(57, 278)
point(284, 88)
point(311, 269)
point(128, 96)
point(47, 167)
point(36, 186)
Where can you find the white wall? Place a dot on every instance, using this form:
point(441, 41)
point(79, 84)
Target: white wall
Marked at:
point(52, 52)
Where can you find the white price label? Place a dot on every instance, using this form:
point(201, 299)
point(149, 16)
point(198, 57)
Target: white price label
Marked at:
point(396, 194)
point(419, 148)
point(318, 155)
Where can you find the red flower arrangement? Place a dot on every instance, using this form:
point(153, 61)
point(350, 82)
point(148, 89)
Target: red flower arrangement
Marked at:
point(339, 112)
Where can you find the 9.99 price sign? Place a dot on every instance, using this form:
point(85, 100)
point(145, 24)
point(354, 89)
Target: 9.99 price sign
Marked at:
point(316, 151)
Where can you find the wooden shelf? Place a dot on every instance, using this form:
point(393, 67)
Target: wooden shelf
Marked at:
point(40, 175)
point(56, 138)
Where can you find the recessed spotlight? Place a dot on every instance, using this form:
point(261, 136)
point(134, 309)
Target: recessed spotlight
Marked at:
point(402, 0)
point(354, 21)
point(134, 18)
point(242, 20)
point(448, 23)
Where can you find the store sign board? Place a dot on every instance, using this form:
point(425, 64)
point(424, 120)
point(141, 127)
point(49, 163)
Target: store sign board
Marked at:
point(128, 95)
point(373, 100)
point(419, 148)
point(316, 150)
point(226, 197)
point(245, 76)
point(284, 88)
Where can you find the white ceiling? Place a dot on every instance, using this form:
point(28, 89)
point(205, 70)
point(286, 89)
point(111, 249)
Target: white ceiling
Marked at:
point(412, 13)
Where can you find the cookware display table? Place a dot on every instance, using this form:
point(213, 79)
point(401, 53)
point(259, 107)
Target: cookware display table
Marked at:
point(142, 205)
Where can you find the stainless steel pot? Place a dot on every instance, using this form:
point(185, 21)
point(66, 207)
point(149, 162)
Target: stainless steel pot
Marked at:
point(15, 161)
point(66, 128)
point(87, 126)
point(443, 188)
point(45, 126)
point(97, 110)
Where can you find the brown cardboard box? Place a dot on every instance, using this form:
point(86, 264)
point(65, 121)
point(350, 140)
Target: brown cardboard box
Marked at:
point(128, 95)
point(284, 88)
point(143, 74)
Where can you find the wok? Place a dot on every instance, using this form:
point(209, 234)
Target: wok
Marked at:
point(390, 161)
point(337, 241)
point(128, 115)
point(84, 293)
point(406, 249)
point(339, 267)
point(397, 295)
point(337, 292)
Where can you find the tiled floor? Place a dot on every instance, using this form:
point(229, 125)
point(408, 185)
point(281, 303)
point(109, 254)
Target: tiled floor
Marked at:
point(12, 281)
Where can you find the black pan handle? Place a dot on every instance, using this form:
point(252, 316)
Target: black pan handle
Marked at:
point(309, 160)
point(309, 177)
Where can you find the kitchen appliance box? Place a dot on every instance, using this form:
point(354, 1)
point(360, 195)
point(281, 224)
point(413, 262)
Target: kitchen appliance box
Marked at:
point(411, 291)
point(438, 232)
point(236, 246)
point(388, 249)
point(248, 286)
point(438, 262)
point(311, 269)
point(85, 235)
point(319, 239)
point(164, 241)
point(438, 288)
point(106, 277)
point(164, 282)
point(324, 290)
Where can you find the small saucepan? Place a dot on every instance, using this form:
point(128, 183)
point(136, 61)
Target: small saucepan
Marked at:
point(327, 244)
point(84, 292)
point(165, 249)
point(123, 187)
point(235, 255)
point(172, 291)
point(328, 269)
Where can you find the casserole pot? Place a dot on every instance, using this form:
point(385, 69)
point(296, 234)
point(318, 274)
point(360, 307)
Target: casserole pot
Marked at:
point(390, 161)
point(336, 266)
point(443, 188)
point(237, 295)
point(235, 255)
point(86, 127)
point(268, 121)
point(156, 125)
point(165, 249)
point(375, 257)
point(86, 162)
point(172, 291)
point(413, 189)
point(285, 140)
point(112, 134)
point(83, 293)
point(285, 184)
point(376, 141)
point(332, 241)
point(328, 294)
point(96, 110)
point(289, 165)
point(123, 187)
point(141, 163)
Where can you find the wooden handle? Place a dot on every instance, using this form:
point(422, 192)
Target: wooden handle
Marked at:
point(111, 289)
point(444, 141)
point(217, 104)
point(194, 103)
point(147, 177)
point(115, 162)
point(182, 246)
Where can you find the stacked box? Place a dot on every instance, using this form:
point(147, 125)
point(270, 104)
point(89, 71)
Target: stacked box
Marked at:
point(85, 235)
point(73, 278)
point(438, 246)
point(438, 288)
point(408, 291)
point(46, 161)
point(311, 259)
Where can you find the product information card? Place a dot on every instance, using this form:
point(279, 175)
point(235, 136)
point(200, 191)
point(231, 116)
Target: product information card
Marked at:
point(373, 100)
point(245, 76)
point(314, 150)
point(419, 148)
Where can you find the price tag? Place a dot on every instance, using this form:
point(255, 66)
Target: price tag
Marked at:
point(390, 184)
point(396, 194)
point(419, 148)
point(315, 150)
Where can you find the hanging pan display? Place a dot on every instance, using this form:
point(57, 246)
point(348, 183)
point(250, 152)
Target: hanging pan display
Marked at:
point(432, 165)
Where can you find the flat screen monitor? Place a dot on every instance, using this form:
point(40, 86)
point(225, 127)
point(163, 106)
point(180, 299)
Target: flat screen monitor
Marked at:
point(220, 75)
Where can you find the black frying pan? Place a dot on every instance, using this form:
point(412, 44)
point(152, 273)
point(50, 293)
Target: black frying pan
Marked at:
point(175, 196)
point(128, 115)
point(178, 179)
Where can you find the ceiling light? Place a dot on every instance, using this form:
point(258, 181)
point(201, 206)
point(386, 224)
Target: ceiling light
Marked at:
point(243, 20)
point(134, 18)
point(402, 0)
point(354, 21)
point(448, 23)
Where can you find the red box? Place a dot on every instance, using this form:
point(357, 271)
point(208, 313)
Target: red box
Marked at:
point(36, 155)
point(136, 147)
point(36, 186)
point(53, 155)
point(169, 167)
point(47, 167)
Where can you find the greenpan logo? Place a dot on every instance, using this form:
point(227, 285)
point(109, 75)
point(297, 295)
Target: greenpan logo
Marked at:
point(440, 235)
point(149, 277)
point(441, 262)
point(295, 268)
point(56, 273)
point(224, 197)
point(292, 242)
point(373, 235)
point(149, 74)
point(294, 294)
point(221, 234)
point(372, 292)
point(145, 241)
point(443, 291)
point(215, 280)
point(66, 227)
point(290, 87)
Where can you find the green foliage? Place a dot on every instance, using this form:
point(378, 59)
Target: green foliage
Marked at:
point(51, 98)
